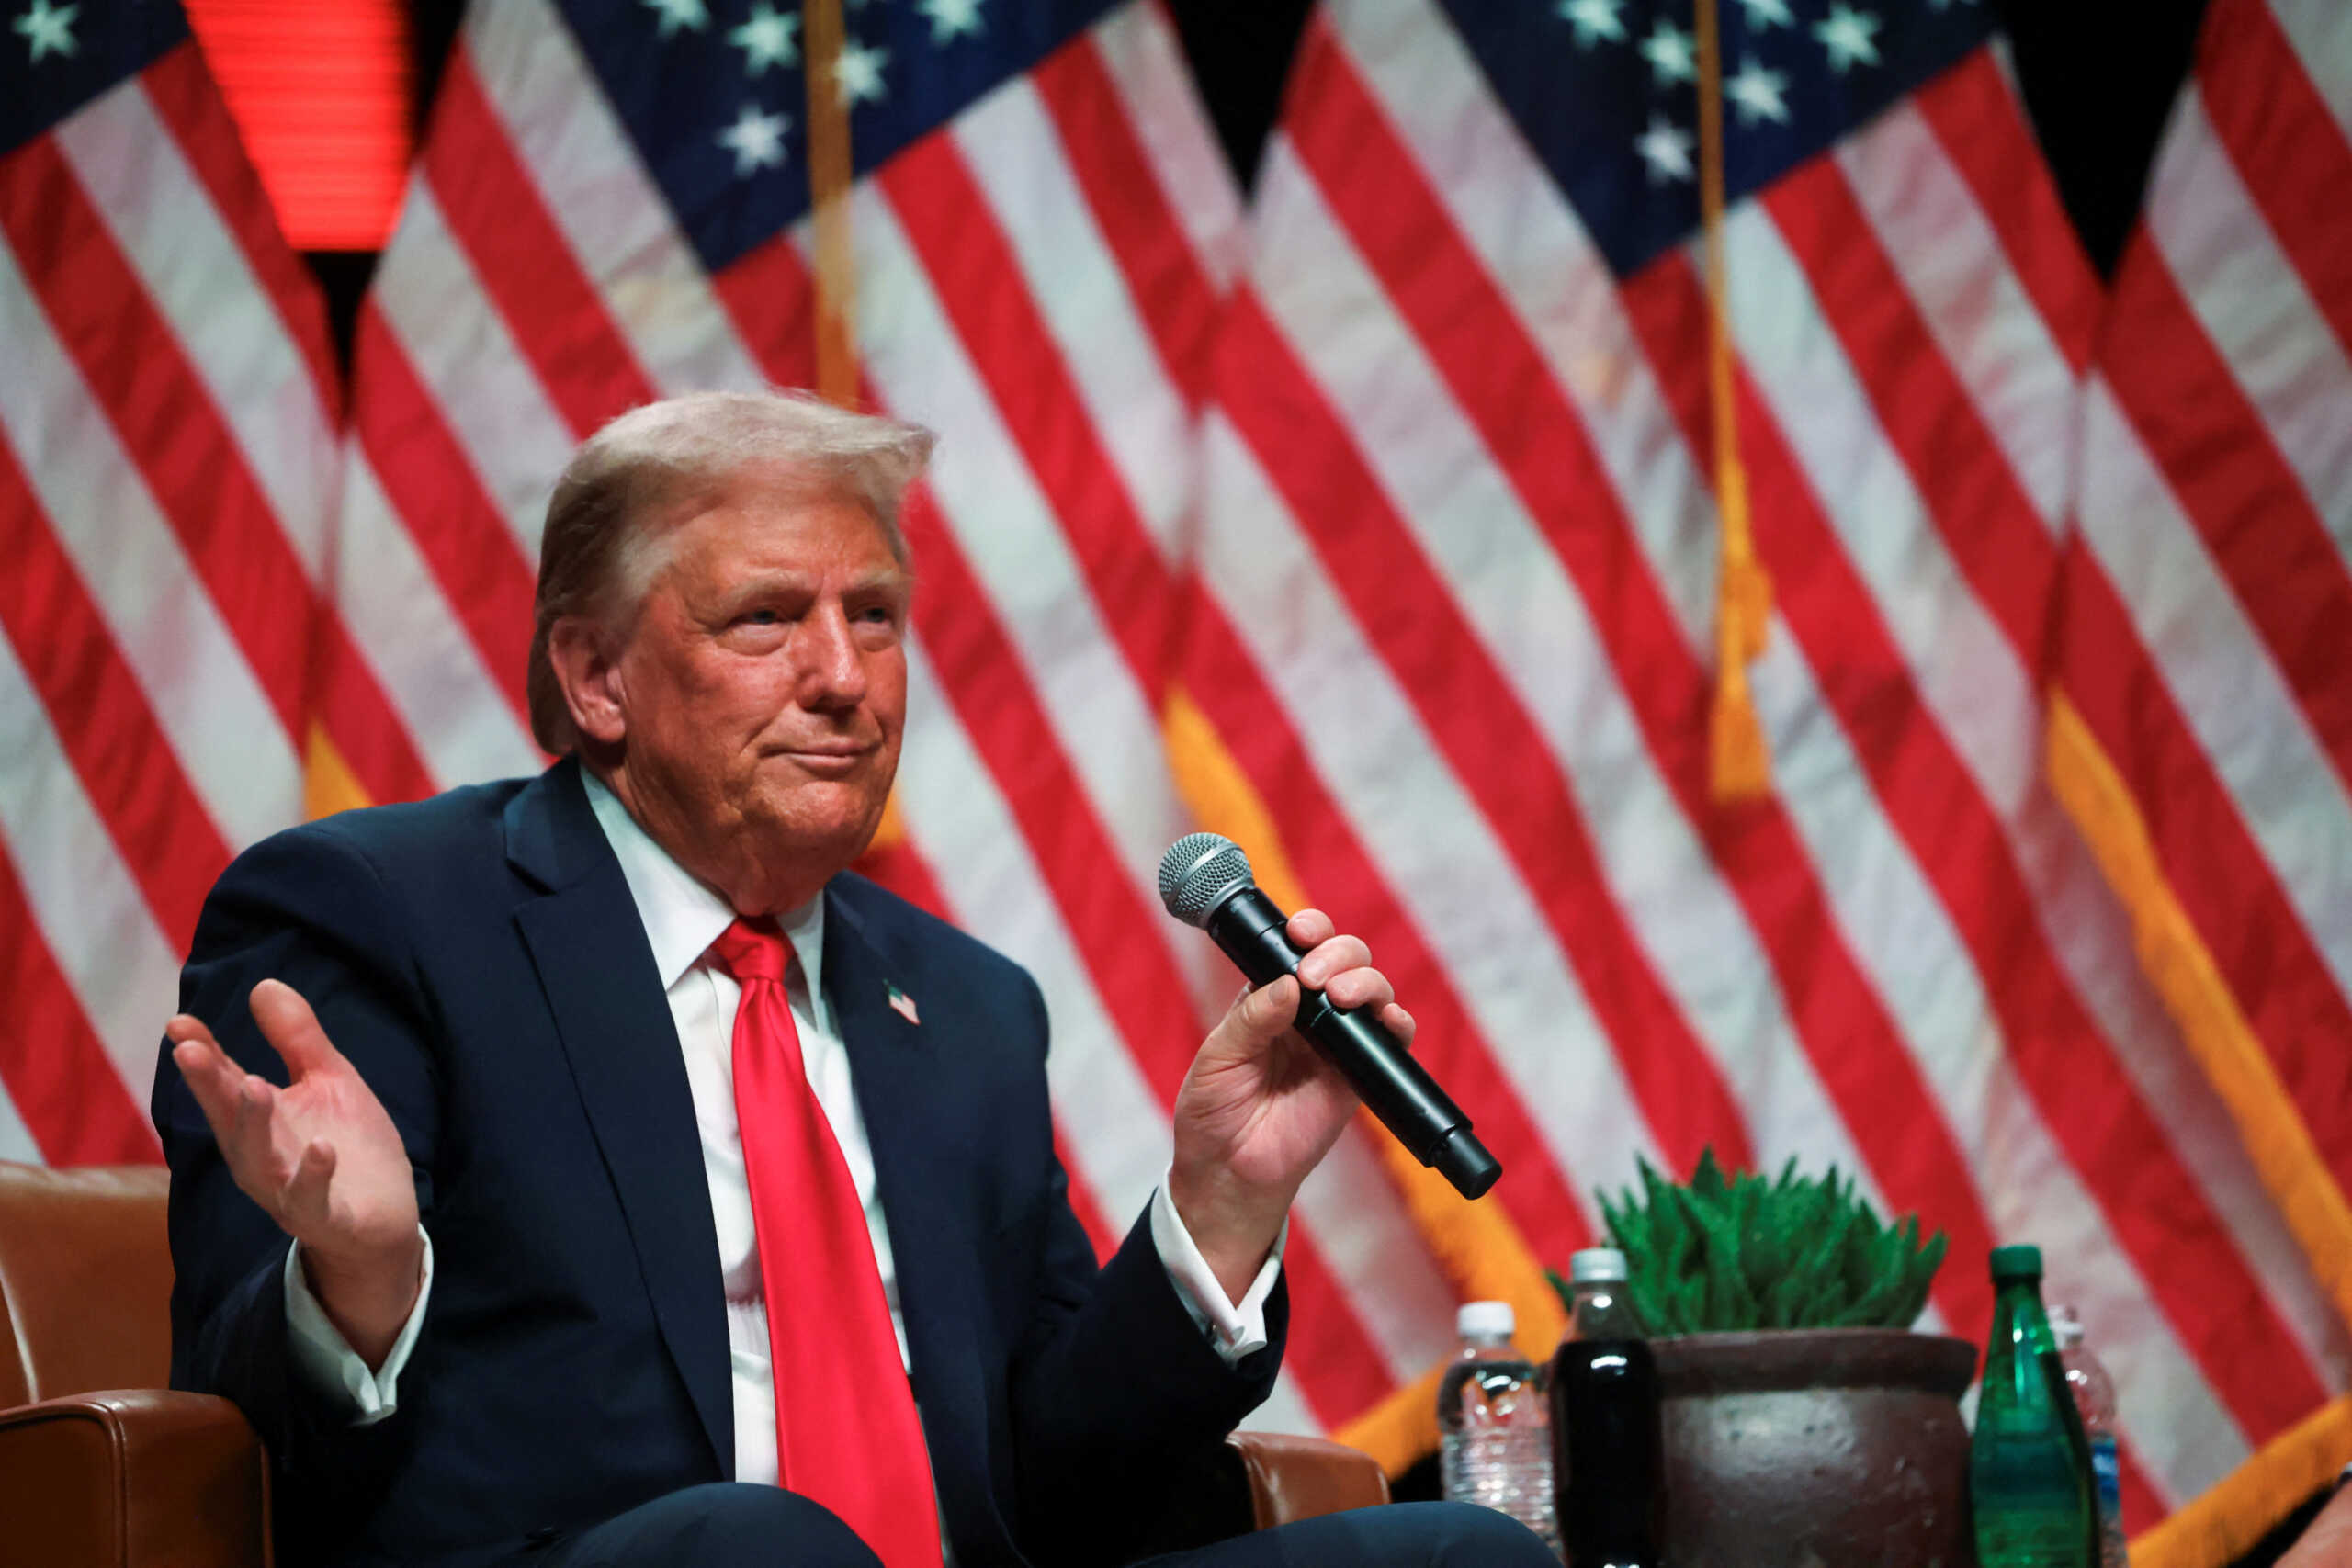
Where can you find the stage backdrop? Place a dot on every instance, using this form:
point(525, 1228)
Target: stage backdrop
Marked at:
point(1383, 528)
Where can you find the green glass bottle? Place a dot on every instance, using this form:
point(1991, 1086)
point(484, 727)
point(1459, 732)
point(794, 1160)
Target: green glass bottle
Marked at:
point(2030, 1462)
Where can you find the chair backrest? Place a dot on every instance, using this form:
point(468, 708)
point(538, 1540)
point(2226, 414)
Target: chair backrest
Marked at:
point(86, 1280)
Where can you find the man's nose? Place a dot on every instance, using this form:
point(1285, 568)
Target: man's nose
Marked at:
point(832, 669)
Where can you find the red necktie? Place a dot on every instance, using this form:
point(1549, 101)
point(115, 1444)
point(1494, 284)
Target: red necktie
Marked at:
point(847, 1435)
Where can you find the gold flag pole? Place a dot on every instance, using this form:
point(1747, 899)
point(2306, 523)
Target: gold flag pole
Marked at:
point(828, 187)
point(831, 172)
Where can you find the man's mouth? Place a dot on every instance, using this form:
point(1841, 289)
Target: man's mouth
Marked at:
point(830, 758)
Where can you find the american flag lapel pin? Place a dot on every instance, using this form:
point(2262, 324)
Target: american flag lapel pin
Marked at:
point(904, 1006)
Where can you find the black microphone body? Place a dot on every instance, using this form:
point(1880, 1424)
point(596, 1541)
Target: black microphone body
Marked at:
point(1377, 1065)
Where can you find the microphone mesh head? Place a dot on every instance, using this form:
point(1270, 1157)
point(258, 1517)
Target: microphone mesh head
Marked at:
point(1199, 872)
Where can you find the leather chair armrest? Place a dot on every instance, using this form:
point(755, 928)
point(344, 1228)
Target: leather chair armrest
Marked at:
point(134, 1478)
point(1304, 1478)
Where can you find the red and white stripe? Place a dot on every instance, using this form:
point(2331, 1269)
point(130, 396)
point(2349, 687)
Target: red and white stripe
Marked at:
point(167, 474)
point(1459, 548)
point(1040, 282)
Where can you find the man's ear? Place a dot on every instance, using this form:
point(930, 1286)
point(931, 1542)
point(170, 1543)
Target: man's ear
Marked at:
point(587, 667)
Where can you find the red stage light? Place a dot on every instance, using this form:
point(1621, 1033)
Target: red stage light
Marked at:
point(321, 91)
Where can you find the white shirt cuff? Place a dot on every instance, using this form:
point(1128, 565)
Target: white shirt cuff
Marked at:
point(321, 1352)
point(1234, 1330)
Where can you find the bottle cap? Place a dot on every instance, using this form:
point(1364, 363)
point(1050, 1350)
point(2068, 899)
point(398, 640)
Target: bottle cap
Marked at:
point(1597, 1265)
point(1485, 1320)
point(2016, 1263)
point(2065, 1326)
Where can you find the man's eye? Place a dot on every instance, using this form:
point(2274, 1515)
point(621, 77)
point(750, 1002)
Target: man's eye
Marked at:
point(760, 618)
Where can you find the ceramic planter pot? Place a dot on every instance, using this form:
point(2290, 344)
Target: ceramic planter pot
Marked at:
point(1831, 1448)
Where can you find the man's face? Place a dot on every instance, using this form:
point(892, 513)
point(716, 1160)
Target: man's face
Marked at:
point(763, 688)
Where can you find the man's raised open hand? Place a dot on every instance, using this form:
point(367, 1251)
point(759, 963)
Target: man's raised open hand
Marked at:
point(321, 1158)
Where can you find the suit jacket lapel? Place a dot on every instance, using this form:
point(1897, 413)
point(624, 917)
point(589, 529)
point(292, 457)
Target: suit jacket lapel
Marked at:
point(890, 1063)
point(894, 1063)
point(598, 974)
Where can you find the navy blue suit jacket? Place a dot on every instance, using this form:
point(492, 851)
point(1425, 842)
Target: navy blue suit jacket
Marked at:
point(479, 958)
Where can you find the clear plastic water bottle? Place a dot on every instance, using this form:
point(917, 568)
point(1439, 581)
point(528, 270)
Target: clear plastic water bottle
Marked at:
point(2094, 1397)
point(1494, 1422)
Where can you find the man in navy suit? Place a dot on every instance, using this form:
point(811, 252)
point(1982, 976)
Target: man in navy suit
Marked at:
point(478, 1057)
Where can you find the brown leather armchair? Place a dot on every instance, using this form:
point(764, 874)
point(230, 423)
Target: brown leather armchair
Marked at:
point(138, 1476)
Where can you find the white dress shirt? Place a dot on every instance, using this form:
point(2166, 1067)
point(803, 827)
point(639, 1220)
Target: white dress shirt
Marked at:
point(683, 917)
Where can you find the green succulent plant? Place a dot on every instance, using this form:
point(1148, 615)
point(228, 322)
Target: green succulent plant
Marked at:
point(1739, 1252)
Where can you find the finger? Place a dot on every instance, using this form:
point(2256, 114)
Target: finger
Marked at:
point(198, 1055)
point(1366, 988)
point(1266, 1013)
point(256, 1099)
point(183, 1027)
point(237, 1106)
point(1311, 927)
point(1402, 1025)
point(246, 1129)
point(212, 1078)
point(219, 1085)
point(292, 1028)
point(303, 1198)
point(201, 1059)
point(1332, 957)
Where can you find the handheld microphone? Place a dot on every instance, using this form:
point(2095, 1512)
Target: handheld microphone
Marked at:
point(1205, 881)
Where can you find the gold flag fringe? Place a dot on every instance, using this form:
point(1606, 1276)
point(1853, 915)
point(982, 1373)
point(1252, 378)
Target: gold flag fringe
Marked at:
point(2200, 999)
point(1739, 762)
point(2227, 1518)
point(2238, 1511)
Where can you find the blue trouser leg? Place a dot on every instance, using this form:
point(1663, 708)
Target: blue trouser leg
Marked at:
point(730, 1526)
point(1403, 1535)
point(725, 1524)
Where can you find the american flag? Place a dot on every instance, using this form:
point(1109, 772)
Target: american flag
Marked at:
point(1456, 601)
point(167, 484)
